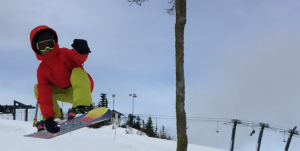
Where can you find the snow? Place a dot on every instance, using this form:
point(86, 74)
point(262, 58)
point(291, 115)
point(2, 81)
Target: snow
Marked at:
point(12, 139)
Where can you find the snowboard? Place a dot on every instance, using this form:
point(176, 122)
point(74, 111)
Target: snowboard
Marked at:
point(92, 117)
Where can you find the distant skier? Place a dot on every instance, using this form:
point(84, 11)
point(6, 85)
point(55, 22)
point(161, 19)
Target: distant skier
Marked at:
point(60, 76)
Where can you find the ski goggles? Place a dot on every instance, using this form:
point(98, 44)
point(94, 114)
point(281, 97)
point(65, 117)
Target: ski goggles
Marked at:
point(45, 45)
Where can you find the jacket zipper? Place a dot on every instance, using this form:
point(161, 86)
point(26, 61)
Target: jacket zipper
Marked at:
point(69, 71)
point(67, 67)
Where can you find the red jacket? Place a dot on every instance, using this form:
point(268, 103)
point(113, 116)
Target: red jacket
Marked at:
point(55, 69)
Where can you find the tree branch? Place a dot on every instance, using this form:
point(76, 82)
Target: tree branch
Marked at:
point(170, 11)
point(139, 2)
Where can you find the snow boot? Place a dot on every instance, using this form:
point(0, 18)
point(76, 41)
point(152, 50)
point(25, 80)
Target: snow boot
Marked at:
point(79, 110)
point(40, 126)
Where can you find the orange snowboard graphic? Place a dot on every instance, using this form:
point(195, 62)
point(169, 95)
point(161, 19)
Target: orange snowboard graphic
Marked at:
point(93, 114)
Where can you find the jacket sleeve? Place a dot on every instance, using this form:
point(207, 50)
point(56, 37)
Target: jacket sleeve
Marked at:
point(73, 55)
point(44, 90)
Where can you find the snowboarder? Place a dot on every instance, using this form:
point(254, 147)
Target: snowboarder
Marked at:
point(60, 76)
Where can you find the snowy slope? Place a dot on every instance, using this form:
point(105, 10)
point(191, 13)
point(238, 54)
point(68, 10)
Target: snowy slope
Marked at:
point(11, 139)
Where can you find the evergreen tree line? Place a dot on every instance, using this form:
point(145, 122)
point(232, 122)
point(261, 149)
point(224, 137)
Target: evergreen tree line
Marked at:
point(137, 123)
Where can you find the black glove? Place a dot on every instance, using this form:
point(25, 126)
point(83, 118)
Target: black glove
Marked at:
point(51, 125)
point(81, 46)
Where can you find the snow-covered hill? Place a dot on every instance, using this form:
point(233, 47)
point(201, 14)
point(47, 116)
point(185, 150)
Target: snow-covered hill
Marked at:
point(11, 139)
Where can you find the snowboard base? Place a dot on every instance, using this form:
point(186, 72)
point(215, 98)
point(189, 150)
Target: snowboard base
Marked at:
point(92, 117)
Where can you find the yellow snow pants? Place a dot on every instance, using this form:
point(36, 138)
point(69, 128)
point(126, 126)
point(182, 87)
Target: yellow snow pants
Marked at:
point(78, 94)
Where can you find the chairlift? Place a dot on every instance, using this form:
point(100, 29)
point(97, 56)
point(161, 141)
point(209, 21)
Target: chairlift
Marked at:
point(253, 131)
point(217, 127)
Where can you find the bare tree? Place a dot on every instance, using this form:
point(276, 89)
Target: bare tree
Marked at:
point(179, 7)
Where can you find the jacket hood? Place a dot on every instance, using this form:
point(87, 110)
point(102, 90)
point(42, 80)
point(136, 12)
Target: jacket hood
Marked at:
point(50, 54)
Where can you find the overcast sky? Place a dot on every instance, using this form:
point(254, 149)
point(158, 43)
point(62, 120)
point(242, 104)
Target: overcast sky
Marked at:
point(241, 60)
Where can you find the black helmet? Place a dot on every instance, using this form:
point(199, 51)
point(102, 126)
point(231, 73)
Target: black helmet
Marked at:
point(42, 35)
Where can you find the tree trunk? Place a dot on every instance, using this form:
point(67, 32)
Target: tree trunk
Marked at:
point(180, 7)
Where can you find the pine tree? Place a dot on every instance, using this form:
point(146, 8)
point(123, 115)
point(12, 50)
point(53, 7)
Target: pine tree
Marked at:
point(149, 128)
point(155, 131)
point(163, 133)
point(103, 101)
point(130, 121)
point(143, 126)
point(137, 123)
